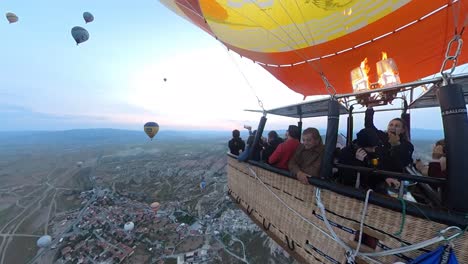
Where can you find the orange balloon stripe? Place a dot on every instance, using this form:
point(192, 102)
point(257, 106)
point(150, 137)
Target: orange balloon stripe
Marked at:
point(418, 50)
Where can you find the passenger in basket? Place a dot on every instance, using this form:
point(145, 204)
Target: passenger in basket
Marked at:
point(395, 142)
point(285, 150)
point(256, 151)
point(365, 151)
point(308, 156)
point(236, 144)
point(270, 145)
point(438, 166)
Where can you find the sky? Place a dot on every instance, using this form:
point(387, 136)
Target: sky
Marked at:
point(116, 78)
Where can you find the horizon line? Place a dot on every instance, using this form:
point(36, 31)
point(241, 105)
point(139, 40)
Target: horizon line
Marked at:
point(167, 130)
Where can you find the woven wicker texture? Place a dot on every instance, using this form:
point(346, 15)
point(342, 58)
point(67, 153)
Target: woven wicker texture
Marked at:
point(345, 211)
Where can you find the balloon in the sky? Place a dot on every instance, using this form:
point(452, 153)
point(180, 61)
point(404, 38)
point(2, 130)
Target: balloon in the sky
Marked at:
point(88, 17)
point(79, 164)
point(165, 79)
point(11, 17)
point(129, 226)
point(155, 206)
point(79, 34)
point(44, 241)
point(151, 129)
point(203, 184)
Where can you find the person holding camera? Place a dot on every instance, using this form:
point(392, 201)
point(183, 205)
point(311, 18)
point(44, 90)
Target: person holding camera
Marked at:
point(251, 148)
point(366, 151)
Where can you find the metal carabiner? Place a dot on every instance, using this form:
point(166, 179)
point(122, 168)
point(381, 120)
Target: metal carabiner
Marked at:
point(459, 43)
point(456, 42)
point(450, 228)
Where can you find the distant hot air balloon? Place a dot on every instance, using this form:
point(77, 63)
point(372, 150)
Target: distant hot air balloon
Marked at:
point(79, 164)
point(151, 129)
point(165, 79)
point(44, 241)
point(79, 34)
point(129, 226)
point(155, 206)
point(88, 17)
point(203, 184)
point(11, 17)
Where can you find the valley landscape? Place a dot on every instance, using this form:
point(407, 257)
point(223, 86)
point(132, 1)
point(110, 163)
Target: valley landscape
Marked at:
point(82, 187)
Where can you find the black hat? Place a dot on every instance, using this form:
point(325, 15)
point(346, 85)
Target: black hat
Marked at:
point(367, 137)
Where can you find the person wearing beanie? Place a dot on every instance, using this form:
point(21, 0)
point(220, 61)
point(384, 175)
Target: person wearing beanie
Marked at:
point(365, 151)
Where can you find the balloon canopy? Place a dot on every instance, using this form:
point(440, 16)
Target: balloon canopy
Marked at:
point(88, 17)
point(165, 79)
point(44, 241)
point(79, 34)
point(203, 184)
point(151, 129)
point(297, 41)
point(11, 17)
point(155, 206)
point(129, 226)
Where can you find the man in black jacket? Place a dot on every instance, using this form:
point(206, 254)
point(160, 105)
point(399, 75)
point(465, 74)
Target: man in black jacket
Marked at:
point(236, 144)
point(366, 151)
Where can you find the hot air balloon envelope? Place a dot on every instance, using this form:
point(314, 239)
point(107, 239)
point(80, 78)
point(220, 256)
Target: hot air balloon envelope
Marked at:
point(79, 34)
point(44, 241)
point(155, 205)
point(203, 185)
point(297, 41)
point(151, 129)
point(129, 226)
point(11, 17)
point(88, 17)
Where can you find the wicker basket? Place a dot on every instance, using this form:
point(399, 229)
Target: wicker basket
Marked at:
point(266, 196)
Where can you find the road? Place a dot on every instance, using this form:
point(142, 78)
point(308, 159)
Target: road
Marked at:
point(8, 231)
point(72, 226)
point(244, 259)
point(18, 235)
